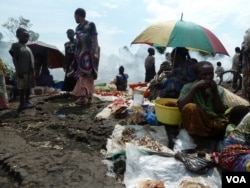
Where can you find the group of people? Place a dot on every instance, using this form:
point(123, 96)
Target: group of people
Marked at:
point(204, 113)
point(235, 153)
point(81, 63)
point(199, 99)
point(172, 75)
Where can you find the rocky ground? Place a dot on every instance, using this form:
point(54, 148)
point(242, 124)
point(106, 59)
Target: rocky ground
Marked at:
point(55, 144)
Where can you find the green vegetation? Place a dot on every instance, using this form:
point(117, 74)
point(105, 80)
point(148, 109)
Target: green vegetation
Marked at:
point(13, 23)
point(9, 71)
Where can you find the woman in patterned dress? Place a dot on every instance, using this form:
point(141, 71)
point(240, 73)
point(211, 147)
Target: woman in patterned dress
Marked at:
point(85, 64)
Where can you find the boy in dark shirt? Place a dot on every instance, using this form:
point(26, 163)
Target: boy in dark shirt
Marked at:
point(23, 61)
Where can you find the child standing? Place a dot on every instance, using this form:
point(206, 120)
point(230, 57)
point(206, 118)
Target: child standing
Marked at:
point(23, 61)
point(219, 69)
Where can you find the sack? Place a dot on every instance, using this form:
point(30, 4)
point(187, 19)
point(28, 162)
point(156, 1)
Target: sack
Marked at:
point(231, 99)
point(195, 164)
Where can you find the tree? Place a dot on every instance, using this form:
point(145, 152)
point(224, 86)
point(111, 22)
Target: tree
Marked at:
point(33, 36)
point(14, 23)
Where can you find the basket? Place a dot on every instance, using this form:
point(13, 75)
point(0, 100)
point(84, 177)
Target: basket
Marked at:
point(167, 114)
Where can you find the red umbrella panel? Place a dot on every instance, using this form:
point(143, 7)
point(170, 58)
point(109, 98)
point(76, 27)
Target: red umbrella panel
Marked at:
point(54, 57)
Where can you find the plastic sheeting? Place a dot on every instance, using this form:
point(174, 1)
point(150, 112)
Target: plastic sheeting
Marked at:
point(140, 166)
point(183, 141)
point(115, 145)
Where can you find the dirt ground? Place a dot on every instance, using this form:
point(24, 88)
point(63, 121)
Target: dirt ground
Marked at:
point(54, 144)
point(58, 144)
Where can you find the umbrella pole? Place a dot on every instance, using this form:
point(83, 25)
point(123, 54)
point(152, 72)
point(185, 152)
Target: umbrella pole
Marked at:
point(173, 62)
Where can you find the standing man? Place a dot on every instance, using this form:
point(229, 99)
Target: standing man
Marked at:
point(23, 60)
point(246, 65)
point(236, 60)
point(70, 46)
point(150, 65)
point(86, 60)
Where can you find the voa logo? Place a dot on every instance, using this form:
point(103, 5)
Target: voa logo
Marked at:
point(236, 179)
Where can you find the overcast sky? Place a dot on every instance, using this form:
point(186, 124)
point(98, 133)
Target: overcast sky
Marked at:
point(118, 22)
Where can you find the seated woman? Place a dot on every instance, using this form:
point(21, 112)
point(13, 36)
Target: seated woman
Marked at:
point(202, 105)
point(181, 73)
point(121, 80)
point(165, 67)
point(155, 84)
point(42, 73)
point(235, 154)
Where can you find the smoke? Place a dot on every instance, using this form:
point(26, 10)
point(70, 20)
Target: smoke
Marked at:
point(4, 54)
point(132, 62)
point(109, 65)
point(226, 61)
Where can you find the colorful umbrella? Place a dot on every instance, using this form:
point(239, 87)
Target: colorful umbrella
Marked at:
point(181, 34)
point(53, 56)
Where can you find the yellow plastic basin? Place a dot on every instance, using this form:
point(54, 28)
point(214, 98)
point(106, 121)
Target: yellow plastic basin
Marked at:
point(165, 114)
